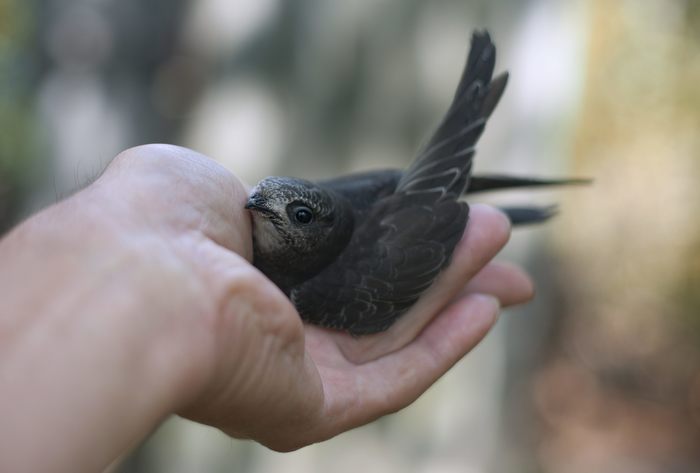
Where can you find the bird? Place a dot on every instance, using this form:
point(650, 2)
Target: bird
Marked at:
point(355, 252)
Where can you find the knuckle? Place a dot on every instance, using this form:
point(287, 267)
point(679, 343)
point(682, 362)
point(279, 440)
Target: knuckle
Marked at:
point(156, 156)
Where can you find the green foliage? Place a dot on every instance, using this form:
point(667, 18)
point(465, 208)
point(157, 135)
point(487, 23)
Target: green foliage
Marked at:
point(17, 121)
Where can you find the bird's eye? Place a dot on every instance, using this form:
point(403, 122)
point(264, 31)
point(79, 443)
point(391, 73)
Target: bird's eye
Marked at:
point(303, 215)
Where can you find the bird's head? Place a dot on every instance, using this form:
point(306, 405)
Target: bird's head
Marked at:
point(297, 225)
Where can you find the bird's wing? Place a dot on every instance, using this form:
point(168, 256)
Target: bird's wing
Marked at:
point(408, 237)
point(494, 182)
point(444, 164)
point(363, 189)
point(392, 258)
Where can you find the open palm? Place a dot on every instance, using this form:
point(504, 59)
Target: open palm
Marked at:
point(272, 378)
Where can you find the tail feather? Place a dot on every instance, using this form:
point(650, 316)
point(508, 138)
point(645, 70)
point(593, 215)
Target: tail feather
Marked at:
point(522, 215)
point(529, 215)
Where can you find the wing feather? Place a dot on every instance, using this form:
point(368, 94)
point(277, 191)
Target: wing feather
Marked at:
point(407, 237)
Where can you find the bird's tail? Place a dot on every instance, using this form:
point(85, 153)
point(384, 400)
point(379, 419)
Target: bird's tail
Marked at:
point(526, 215)
point(529, 215)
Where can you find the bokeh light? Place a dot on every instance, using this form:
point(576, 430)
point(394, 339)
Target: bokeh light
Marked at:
point(601, 372)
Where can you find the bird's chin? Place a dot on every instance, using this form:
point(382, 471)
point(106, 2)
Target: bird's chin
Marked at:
point(265, 235)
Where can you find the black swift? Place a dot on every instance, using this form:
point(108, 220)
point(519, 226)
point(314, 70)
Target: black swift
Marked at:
point(355, 252)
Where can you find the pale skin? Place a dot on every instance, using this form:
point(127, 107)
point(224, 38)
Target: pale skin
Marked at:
point(135, 300)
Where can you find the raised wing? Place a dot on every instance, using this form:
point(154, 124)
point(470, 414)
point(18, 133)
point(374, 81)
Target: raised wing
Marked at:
point(444, 164)
point(408, 237)
point(494, 182)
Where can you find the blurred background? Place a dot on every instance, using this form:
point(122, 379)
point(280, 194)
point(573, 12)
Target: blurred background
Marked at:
point(601, 372)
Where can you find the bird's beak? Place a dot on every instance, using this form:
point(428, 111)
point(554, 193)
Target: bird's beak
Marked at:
point(256, 203)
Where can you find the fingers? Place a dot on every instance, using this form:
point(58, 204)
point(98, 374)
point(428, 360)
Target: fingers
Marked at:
point(398, 379)
point(506, 282)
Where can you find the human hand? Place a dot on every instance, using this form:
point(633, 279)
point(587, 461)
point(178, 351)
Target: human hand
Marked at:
point(144, 280)
point(286, 384)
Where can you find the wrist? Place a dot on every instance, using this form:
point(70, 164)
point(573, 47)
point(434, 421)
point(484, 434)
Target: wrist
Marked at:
point(97, 322)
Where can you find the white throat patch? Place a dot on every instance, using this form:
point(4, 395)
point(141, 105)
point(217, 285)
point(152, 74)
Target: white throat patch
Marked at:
point(265, 234)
